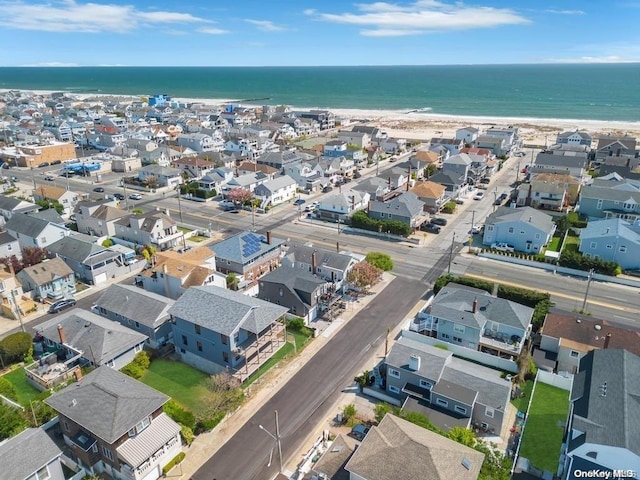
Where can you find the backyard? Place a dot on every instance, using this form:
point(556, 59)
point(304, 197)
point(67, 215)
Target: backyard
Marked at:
point(180, 381)
point(543, 431)
point(24, 390)
point(521, 403)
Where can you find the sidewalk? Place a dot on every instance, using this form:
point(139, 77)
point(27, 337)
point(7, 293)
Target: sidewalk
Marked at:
point(207, 444)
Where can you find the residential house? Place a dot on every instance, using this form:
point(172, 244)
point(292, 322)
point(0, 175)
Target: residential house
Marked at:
point(397, 177)
point(155, 229)
point(441, 151)
point(611, 196)
point(475, 319)
point(496, 145)
point(510, 135)
point(456, 185)
point(567, 163)
point(248, 181)
point(432, 194)
point(397, 448)
point(126, 165)
point(450, 391)
point(301, 291)
point(67, 198)
point(459, 165)
point(603, 431)
point(98, 219)
point(90, 262)
point(613, 240)
point(550, 191)
point(194, 167)
point(9, 246)
point(623, 171)
point(218, 330)
point(376, 187)
point(375, 134)
point(173, 272)
point(335, 148)
point(14, 301)
point(11, 205)
point(569, 336)
point(337, 167)
point(308, 177)
point(279, 160)
point(406, 208)
point(453, 145)
point(145, 312)
point(248, 254)
point(340, 206)
point(360, 139)
point(577, 137)
point(420, 161)
point(330, 266)
point(161, 176)
point(326, 119)
point(51, 279)
point(467, 134)
point(252, 167)
point(198, 142)
point(394, 145)
point(31, 455)
point(614, 146)
point(331, 463)
point(115, 426)
point(276, 191)
point(527, 229)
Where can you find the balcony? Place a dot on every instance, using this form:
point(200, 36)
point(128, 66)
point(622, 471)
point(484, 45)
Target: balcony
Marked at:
point(257, 350)
point(48, 372)
point(501, 343)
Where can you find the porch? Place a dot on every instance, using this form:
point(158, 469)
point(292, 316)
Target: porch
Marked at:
point(253, 353)
point(501, 344)
point(49, 371)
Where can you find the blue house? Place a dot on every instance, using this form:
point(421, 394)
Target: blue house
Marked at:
point(218, 330)
point(611, 196)
point(527, 229)
point(613, 240)
point(159, 100)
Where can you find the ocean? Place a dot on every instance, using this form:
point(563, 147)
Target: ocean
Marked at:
point(604, 92)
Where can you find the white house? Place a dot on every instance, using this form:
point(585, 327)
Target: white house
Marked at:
point(278, 190)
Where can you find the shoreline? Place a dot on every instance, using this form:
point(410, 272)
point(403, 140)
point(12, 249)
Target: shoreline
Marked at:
point(416, 124)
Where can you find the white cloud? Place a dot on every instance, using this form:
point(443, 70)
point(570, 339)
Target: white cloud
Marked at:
point(212, 31)
point(388, 19)
point(602, 59)
point(73, 16)
point(52, 64)
point(266, 25)
point(566, 12)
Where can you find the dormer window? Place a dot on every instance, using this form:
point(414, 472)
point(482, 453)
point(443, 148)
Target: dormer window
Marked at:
point(140, 426)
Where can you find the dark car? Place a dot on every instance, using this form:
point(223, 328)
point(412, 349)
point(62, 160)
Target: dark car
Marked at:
point(430, 228)
point(49, 178)
point(485, 180)
point(56, 162)
point(99, 189)
point(327, 189)
point(61, 305)
point(439, 221)
point(359, 431)
point(44, 164)
point(118, 196)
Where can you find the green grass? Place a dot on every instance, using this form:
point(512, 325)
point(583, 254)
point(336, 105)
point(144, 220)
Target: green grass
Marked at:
point(544, 429)
point(554, 244)
point(522, 403)
point(26, 392)
point(197, 238)
point(184, 230)
point(180, 381)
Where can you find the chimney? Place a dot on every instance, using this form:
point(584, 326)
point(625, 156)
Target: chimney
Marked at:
point(474, 308)
point(314, 262)
point(414, 363)
point(268, 238)
point(165, 270)
point(607, 339)
point(61, 334)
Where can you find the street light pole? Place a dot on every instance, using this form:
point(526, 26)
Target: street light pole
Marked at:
point(586, 293)
point(453, 241)
point(276, 437)
point(179, 203)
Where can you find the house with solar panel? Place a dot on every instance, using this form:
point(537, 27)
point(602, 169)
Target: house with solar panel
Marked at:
point(248, 254)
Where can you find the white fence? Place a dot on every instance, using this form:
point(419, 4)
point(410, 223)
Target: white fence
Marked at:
point(564, 381)
point(11, 403)
point(474, 355)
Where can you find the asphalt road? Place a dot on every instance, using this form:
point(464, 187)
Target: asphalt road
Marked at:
point(307, 398)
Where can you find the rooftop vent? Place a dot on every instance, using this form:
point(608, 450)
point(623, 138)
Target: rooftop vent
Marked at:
point(414, 363)
point(74, 402)
point(466, 463)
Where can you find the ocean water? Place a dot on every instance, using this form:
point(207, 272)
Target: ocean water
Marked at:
point(587, 92)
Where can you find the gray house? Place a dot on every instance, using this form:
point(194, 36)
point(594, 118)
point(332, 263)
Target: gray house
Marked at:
point(455, 184)
point(613, 240)
point(33, 231)
point(145, 312)
point(450, 391)
point(611, 196)
point(603, 432)
point(217, 330)
point(572, 163)
point(11, 205)
point(248, 254)
point(31, 455)
point(52, 279)
point(527, 229)
point(612, 146)
point(330, 266)
point(577, 137)
point(406, 208)
point(299, 290)
point(473, 318)
point(9, 246)
point(163, 176)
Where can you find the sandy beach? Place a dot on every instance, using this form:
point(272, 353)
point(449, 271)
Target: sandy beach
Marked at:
point(424, 126)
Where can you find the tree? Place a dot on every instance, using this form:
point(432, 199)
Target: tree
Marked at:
point(107, 243)
point(240, 196)
point(380, 260)
point(148, 252)
point(33, 256)
point(46, 204)
point(462, 435)
point(11, 422)
point(232, 281)
point(364, 275)
point(137, 211)
point(15, 347)
point(11, 261)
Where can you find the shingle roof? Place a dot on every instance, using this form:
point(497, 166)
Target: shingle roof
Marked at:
point(148, 308)
point(99, 339)
point(107, 213)
point(16, 204)
point(138, 449)
point(6, 237)
point(304, 253)
point(45, 272)
point(406, 205)
point(538, 219)
point(26, 453)
point(26, 225)
point(432, 361)
point(568, 161)
point(611, 227)
point(397, 448)
point(107, 403)
point(295, 280)
point(243, 247)
point(159, 170)
point(277, 183)
point(606, 397)
point(428, 189)
point(224, 311)
point(75, 248)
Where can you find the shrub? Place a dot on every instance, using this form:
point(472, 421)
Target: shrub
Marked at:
point(15, 347)
point(469, 282)
point(296, 323)
point(133, 370)
point(380, 260)
point(7, 389)
point(574, 259)
point(173, 462)
point(142, 360)
point(210, 422)
point(180, 415)
point(187, 435)
point(381, 409)
point(349, 412)
point(449, 207)
point(107, 243)
point(11, 422)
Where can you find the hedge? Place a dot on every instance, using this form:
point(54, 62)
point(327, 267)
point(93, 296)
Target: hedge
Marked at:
point(15, 347)
point(173, 462)
point(138, 366)
point(360, 219)
point(8, 390)
point(179, 415)
point(573, 259)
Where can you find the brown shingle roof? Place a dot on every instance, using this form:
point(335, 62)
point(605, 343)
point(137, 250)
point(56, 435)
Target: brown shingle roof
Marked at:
point(45, 272)
point(428, 189)
point(49, 191)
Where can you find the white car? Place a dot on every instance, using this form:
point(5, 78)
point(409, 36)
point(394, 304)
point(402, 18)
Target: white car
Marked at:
point(135, 196)
point(476, 229)
point(502, 247)
point(478, 196)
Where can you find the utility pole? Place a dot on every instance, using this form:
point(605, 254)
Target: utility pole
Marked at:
point(18, 313)
point(179, 203)
point(586, 293)
point(126, 199)
point(277, 438)
point(453, 241)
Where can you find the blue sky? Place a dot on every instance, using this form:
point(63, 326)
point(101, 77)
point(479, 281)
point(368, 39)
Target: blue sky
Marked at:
point(309, 32)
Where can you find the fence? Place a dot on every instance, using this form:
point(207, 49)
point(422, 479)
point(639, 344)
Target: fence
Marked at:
point(375, 393)
point(9, 402)
point(564, 381)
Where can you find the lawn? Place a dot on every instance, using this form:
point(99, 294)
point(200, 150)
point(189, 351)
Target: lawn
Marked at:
point(185, 230)
point(180, 381)
point(543, 431)
point(25, 391)
point(523, 402)
point(554, 244)
point(572, 243)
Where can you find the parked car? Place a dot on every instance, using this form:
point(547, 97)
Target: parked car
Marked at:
point(327, 189)
point(44, 164)
point(501, 199)
point(135, 196)
point(299, 201)
point(99, 189)
point(49, 178)
point(439, 221)
point(478, 196)
point(485, 180)
point(56, 162)
point(118, 196)
point(359, 431)
point(482, 186)
point(61, 305)
point(459, 201)
point(430, 228)
point(503, 247)
point(476, 229)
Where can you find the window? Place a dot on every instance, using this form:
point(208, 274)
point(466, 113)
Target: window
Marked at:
point(488, 412)
point(457, 339)
point(184, 340)
point(225, 357)
point(137, 325)
point(144, 423)
point(622, 249)
point(394, 373)
point(197, 327)
point(43, 239)
point(425, 384)
point(521, 232)
point(460, 409)
point(537, 236)
point(42, 474)
point(107, 453)
point(510, 230)
point(442, 403)
point(458, 328)
point(490, 228)
point(394, 389)
point(593, 245)
point(445, 336)
point(66, 425)
point(199, 346)
point(94, 448)
point(599, 204)
point(225, 339)
point(574, 354)
point(609, 246)
point(9, 247)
